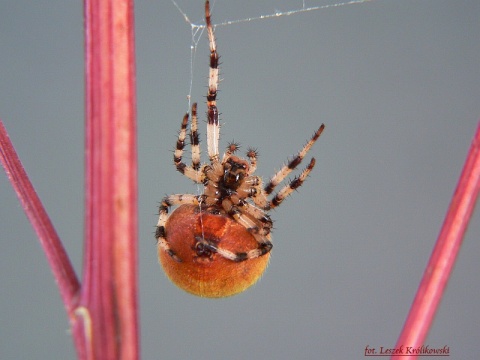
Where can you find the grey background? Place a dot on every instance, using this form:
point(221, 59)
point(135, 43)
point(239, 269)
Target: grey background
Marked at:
point(397, 84)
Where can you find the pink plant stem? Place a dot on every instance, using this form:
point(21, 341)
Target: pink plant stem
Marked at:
point(57, 257)
point(445, 252)
point(109, 293)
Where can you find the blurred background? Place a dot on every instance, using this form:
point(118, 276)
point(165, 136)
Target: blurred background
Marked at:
point(397, 84)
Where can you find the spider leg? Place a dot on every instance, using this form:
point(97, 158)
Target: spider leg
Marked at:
point(263, 248)
point(254, 219)
point(292, 164)
point(258, 214)
point(194, 139)
point(167, 202)
point(192, 172)
point(246, 215)
point(213, 127)
point(293, 185)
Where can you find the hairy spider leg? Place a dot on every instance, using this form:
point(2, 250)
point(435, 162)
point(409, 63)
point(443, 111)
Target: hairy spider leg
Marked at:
point(195, 139)
point(213, 127)
point(167, 202)
point(193, 172)
point(287, 169)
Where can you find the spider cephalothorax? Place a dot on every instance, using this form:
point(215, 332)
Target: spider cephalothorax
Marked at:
point(218, 243)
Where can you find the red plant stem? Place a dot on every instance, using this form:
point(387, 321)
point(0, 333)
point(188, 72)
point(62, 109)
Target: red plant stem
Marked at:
point(56, 256)
point(445, 252)
point(109, 293)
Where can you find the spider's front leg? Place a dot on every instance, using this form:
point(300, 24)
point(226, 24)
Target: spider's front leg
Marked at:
point(167, 202)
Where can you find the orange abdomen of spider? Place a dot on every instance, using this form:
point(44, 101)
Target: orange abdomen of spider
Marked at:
point(192, 234)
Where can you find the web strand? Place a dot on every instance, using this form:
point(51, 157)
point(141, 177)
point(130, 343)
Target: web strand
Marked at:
point(272, 15)
point(198, 29)
point(292, 12)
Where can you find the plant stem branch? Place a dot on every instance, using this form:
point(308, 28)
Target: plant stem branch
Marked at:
point(57, 258)
point(445, 252)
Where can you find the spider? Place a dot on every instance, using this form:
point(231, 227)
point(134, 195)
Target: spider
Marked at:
point(218, 243)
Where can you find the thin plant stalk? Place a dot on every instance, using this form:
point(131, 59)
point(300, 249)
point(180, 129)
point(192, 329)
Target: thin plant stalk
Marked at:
point(445, 252)
point(62, 269)
point(57, 257)
point(109, 291)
